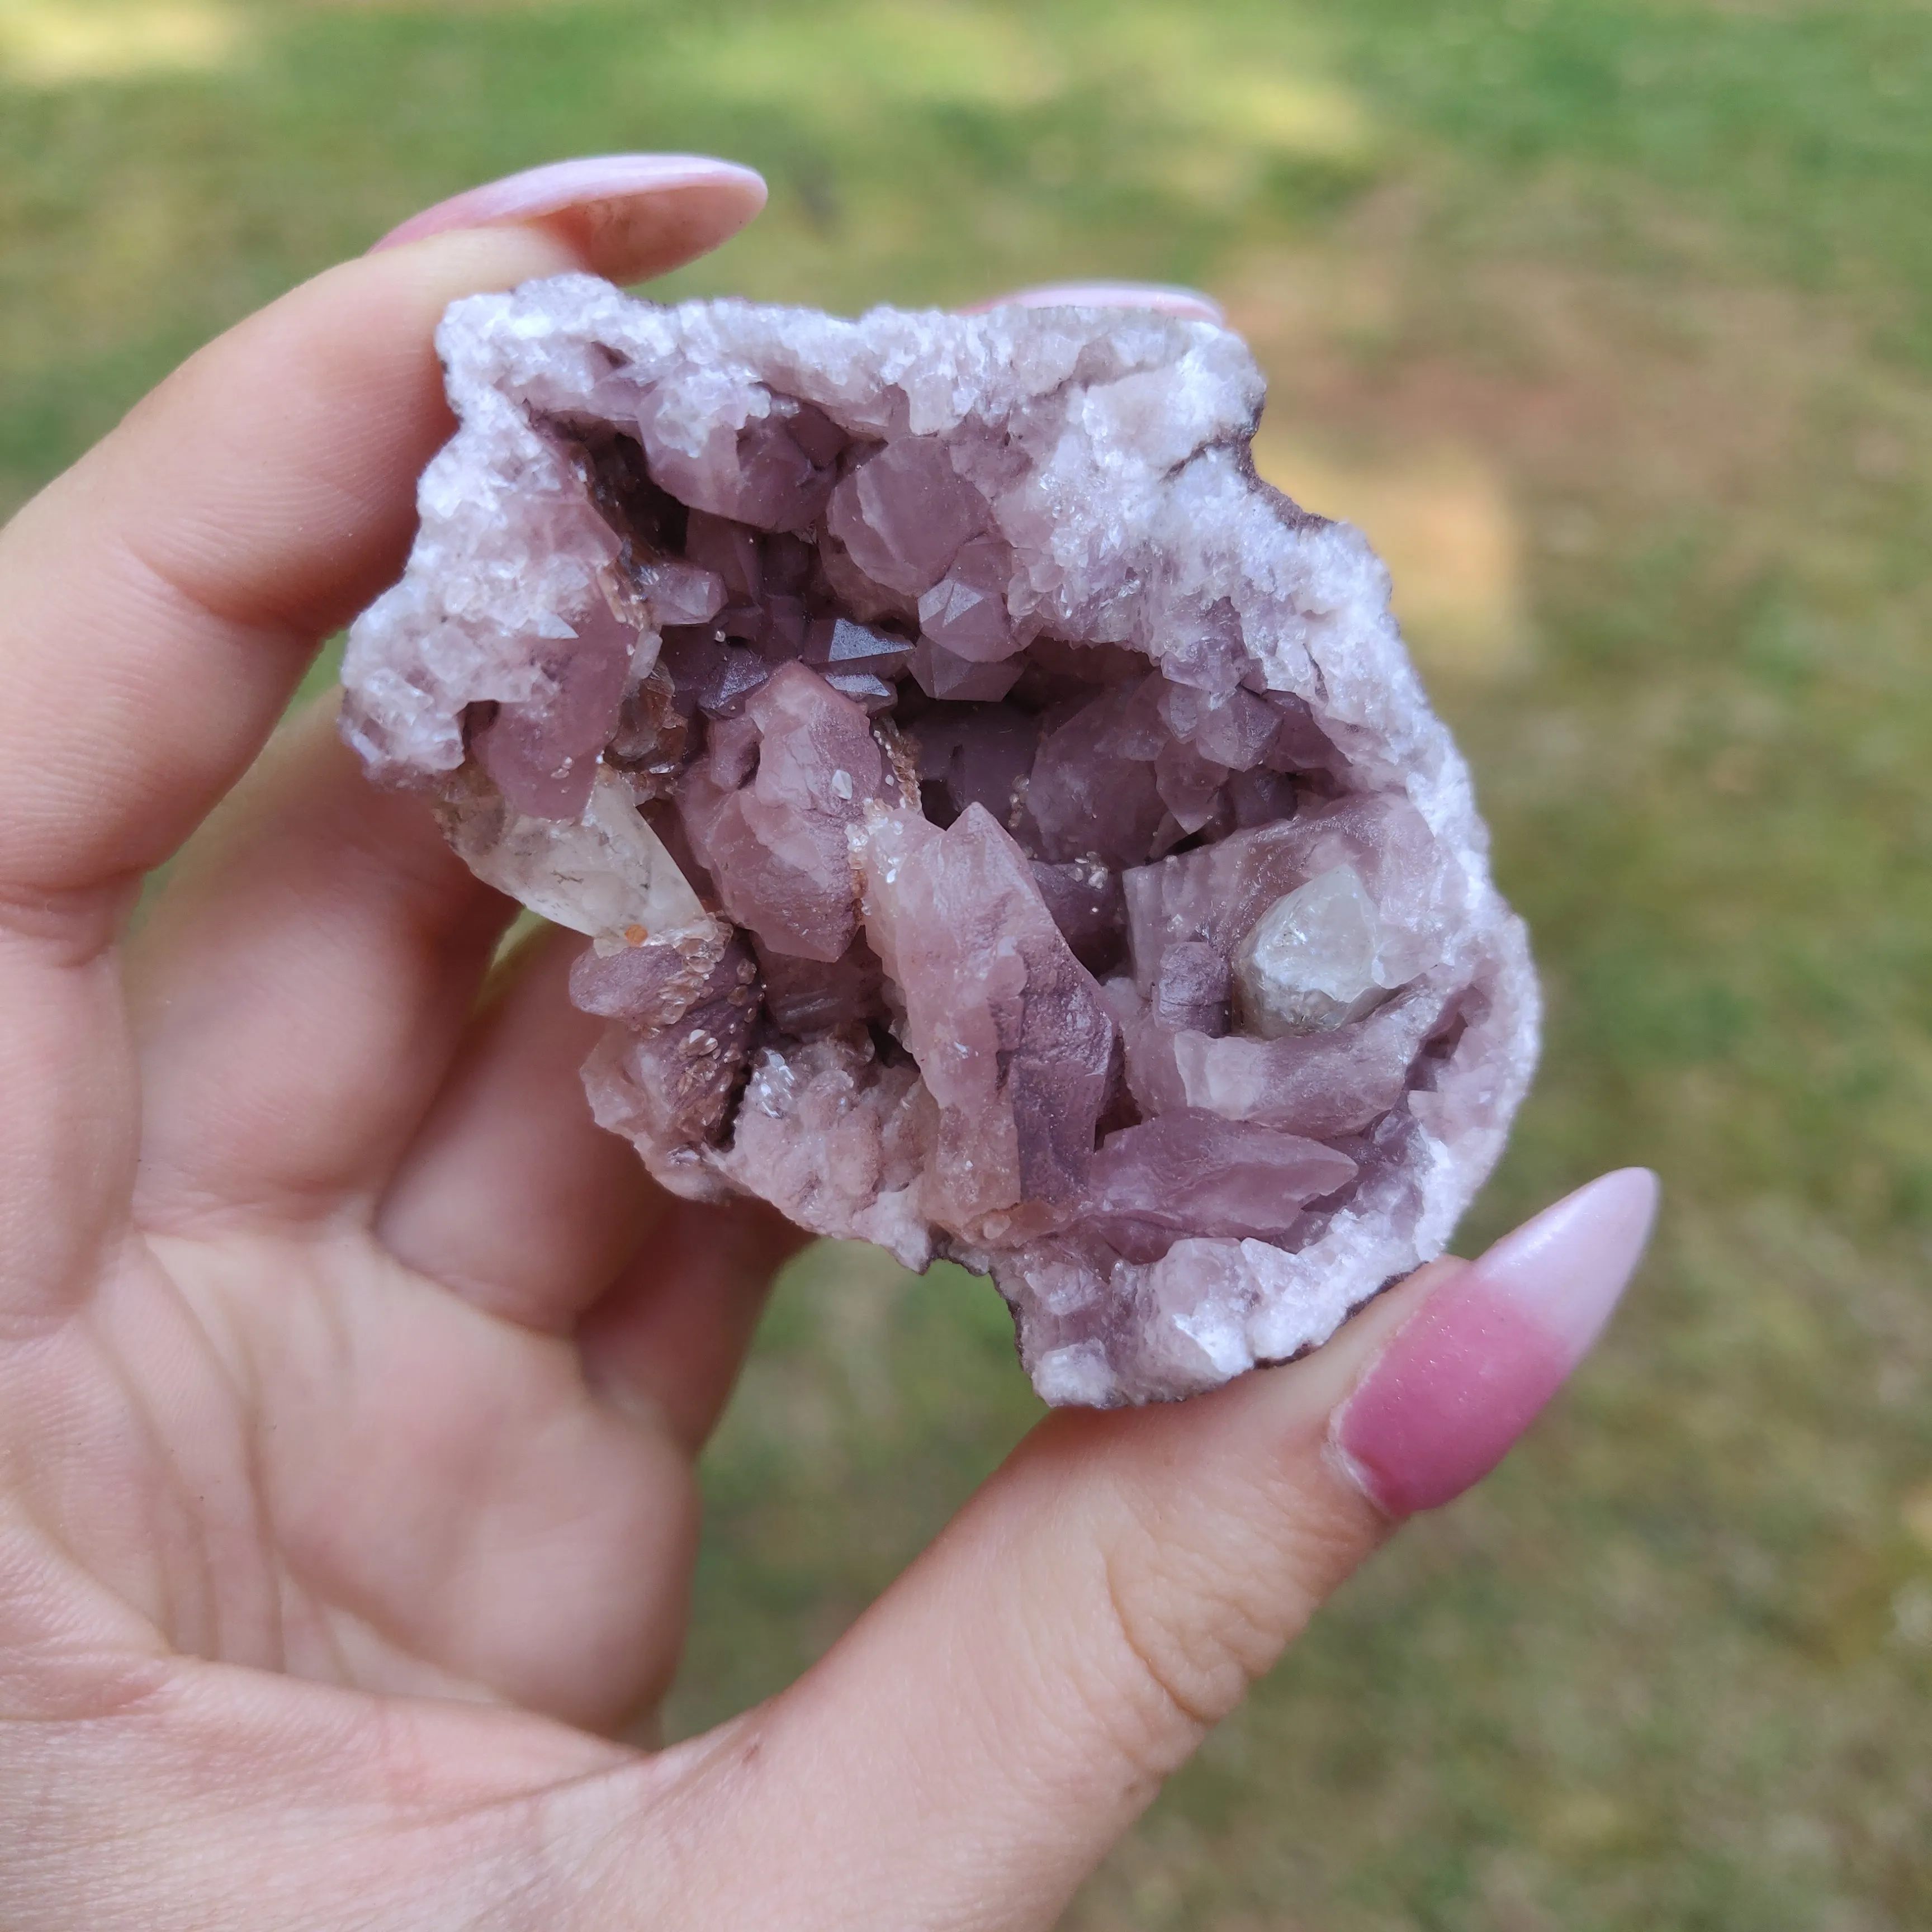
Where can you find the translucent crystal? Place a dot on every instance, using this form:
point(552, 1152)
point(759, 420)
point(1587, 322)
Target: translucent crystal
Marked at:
point(608, 874)
point(1310, 964)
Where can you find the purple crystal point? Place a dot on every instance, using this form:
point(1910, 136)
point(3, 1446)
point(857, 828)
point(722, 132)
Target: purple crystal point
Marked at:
point(904, 514)
point(942, 673)
point(1008, 1028)
point(965, 612)
point(767, 813)
point(1190, 1172)
point(1005, 829)
point(541, 752)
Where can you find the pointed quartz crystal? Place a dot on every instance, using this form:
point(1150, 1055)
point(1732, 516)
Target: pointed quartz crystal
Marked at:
point(608, 874)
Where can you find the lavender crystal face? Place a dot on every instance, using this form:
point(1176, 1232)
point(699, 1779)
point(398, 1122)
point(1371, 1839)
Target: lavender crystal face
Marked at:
point(1005, 828)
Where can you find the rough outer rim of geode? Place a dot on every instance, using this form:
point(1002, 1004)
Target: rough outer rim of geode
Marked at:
point(520, 671)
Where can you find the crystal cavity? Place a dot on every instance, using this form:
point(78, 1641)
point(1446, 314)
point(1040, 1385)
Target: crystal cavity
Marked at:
point(1004, 829)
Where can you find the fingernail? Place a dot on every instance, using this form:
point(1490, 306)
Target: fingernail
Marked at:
point(1164, 297)
point(628, 216)
point(1468, 1373)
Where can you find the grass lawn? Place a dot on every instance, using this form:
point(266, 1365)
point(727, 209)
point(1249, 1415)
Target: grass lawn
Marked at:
point(1611, 321)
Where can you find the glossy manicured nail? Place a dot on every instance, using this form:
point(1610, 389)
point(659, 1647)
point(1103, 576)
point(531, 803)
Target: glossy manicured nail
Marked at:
point(628, 216)
point(1189, 303)
point(1467, 1374)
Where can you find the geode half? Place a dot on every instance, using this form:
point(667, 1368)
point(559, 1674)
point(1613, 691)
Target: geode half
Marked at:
point(1006, 828)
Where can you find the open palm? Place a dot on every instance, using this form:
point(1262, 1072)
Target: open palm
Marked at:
point(393, 1367)
point(350, 1380)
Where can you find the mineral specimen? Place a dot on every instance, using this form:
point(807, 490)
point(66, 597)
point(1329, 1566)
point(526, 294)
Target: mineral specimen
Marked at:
point(1006, 828)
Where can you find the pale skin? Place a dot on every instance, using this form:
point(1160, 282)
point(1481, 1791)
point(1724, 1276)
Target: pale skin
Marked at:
point(351, 1380)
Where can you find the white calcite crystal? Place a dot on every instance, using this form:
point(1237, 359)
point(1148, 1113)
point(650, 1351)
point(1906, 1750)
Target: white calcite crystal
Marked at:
point(1312, 961)
point(1006, 829)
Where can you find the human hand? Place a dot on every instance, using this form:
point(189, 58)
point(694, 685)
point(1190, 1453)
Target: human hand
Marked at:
point(350, 1379)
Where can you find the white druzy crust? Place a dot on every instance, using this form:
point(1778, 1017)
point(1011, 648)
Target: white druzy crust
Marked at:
point(1006, 828)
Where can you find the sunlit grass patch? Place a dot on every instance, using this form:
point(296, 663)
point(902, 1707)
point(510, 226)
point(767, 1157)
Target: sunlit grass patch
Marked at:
point(1440, 517)
point(842, 59)
point(64, 43)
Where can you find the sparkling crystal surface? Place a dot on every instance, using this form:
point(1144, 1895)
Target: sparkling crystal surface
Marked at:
point(1006, 829)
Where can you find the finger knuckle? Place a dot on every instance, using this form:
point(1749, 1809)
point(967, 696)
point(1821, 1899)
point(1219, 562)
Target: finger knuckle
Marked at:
point(1199, 1609)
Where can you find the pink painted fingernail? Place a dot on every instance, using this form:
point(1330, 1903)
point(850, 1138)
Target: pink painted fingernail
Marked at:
point(1443, 1403)
point(628, 215)
point(1164, 297)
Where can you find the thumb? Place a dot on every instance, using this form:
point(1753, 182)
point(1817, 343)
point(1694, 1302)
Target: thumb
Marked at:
point(966, 1755)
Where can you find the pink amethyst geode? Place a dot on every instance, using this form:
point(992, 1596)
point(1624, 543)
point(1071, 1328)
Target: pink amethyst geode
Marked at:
point(1006, 828)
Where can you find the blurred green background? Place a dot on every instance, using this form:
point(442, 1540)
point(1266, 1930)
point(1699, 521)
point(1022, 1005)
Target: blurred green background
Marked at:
point(1611, 321)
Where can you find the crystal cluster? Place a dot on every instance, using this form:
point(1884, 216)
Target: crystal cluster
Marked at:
point(1006, 829)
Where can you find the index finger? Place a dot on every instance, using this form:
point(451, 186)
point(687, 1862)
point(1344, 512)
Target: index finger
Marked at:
point(159, 602)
